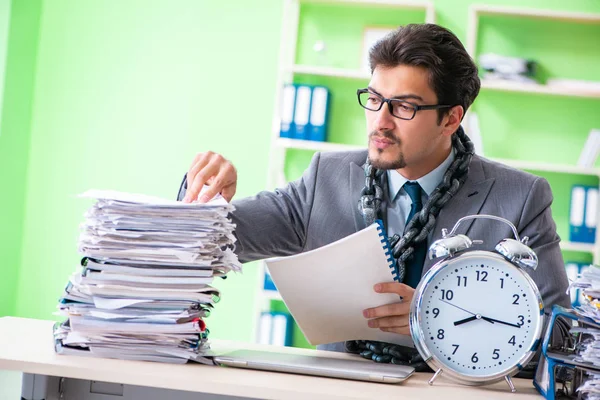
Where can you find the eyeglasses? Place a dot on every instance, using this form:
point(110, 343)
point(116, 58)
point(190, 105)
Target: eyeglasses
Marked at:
point(398, 108)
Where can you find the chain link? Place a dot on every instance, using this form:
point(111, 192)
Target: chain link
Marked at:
point(372, 195)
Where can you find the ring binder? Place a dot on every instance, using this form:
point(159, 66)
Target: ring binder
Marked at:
point(388, 250)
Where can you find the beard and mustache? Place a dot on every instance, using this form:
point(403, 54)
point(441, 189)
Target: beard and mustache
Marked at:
point(377, 162)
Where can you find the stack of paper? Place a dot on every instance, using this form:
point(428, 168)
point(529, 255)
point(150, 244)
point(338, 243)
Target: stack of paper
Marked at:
point(588, 350)
point(590, 390)
point(517, 69)
point(144, 286)
point(588, 283)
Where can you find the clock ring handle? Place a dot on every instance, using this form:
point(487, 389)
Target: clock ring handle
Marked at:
point(486, 216)
point(514, 250)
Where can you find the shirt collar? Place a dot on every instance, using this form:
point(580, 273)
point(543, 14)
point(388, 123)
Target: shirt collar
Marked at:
point(428, 182)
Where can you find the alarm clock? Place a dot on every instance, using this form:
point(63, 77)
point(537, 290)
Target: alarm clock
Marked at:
point(477, 316)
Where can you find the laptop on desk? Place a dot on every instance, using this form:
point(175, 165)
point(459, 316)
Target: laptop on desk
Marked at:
point(318, 366)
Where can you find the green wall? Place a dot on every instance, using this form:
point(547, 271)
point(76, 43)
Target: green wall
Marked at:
point(4, 28)
point(19, 38)
point(122, 94)
point(126, 93)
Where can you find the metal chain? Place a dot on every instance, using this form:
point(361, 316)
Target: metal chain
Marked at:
point(372, 194)
point(416, 231)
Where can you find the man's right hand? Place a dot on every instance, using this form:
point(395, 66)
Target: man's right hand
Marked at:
point(216, 172)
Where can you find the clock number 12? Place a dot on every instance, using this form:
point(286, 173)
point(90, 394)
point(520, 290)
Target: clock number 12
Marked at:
point(482, 276)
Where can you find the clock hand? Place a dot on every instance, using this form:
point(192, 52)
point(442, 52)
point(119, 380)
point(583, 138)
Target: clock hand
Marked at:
point(474, 316)
point(460, 308)
point(464, 321)
point(492, 320)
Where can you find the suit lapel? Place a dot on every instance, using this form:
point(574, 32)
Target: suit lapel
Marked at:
point(467, 201)
point(357, 183)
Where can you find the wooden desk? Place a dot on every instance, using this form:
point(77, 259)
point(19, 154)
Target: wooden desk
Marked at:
point(27, 345)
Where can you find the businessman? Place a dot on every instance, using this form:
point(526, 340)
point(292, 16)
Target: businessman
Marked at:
point(419, 175)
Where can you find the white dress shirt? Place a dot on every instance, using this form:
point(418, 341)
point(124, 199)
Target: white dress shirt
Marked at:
point(400, 203)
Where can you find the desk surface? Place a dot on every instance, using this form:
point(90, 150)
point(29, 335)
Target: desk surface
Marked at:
point(27, 345)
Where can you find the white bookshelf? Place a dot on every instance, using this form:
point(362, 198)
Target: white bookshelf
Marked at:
point(518, 87)
point(486, 84)
point(527, 165)
point(570, 16)
point(549, 167)
point(316, 146)
point(333, 72)
point(424, 5)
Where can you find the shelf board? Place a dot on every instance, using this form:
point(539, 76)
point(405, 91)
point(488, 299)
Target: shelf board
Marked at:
point(329, 71)
point(548, 167)
point(508, 86)
point(407, 4)
point(489, 84)
point(536, 13)
point(528, 165)
point(316, 146)
point(271, 295)
point(582, 247)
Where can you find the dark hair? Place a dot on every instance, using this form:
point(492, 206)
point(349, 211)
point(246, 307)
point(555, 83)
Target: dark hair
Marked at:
point(452, 72)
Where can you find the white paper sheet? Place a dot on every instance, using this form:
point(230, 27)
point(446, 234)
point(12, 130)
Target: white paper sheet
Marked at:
point(327, 289)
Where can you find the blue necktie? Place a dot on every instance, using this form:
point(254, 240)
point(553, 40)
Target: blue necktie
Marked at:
point(414, 265)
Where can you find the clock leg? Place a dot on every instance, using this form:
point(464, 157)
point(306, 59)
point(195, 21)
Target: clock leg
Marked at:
point(510, 384)
point(433, 378)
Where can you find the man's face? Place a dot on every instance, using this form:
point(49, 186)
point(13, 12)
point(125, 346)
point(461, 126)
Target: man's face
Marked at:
point(417, 146)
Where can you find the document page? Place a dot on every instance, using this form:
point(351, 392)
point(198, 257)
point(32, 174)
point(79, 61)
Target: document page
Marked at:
point(327, 289)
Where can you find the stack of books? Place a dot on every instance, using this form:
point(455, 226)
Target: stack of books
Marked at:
point(144, 286)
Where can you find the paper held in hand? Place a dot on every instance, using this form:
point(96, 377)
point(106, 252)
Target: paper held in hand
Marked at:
point(327, 289)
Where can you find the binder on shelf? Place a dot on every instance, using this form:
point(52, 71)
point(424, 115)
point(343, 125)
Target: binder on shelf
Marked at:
point(275, 328)
point(264, 331)
point(286, 129)
point(268, 283)
point(302, 112)
point(583, 214)
point(591, 213)
point(319, 110)
point(281, 334)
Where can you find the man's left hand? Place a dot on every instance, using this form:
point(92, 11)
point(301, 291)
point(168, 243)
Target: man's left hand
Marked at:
point(391, 317)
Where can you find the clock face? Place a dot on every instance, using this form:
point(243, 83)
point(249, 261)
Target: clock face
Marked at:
point(478, 315)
